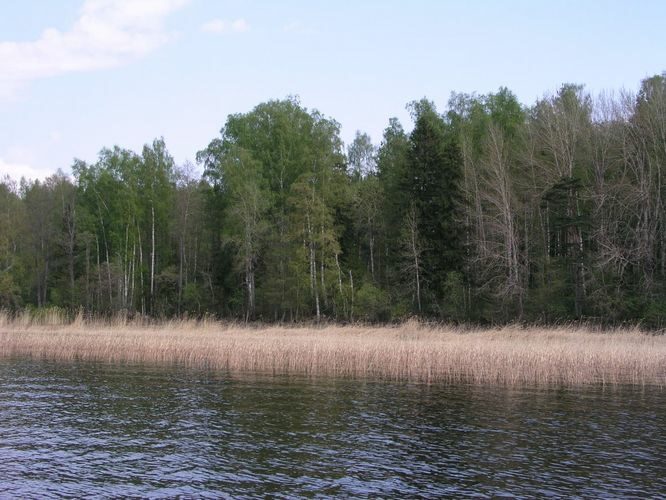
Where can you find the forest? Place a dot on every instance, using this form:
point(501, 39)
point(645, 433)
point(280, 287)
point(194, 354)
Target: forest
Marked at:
point(486, 212)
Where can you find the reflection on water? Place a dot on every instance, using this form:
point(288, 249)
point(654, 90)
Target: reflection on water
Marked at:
point(90, 429)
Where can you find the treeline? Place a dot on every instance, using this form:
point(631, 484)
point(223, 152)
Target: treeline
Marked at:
point(488, 212)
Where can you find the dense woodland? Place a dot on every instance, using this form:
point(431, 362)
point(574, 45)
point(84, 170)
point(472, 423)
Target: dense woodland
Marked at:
point(487, 212)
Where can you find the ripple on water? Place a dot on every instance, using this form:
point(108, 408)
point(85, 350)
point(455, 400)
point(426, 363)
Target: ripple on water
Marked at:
point(89, 430)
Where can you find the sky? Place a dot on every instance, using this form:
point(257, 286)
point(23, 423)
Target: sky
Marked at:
point(80, 75)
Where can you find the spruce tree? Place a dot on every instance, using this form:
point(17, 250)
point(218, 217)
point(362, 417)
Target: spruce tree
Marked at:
point(432, 176)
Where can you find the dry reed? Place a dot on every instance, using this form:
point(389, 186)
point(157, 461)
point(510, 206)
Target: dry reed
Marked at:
point(415, 352)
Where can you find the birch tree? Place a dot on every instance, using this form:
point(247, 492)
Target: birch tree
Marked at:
point(562, 125)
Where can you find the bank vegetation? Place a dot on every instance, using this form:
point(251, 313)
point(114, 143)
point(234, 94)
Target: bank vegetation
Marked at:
point(482, 209)
point(412, 351)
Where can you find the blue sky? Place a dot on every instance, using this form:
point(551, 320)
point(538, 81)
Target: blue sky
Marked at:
point(79, 75)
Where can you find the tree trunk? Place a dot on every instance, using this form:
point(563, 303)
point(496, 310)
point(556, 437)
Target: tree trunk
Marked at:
point(181, 251)
point(152, 258)
point(88, 303)
point(71, 233)
point(141, 290)
point(372, 255)
point(99, 276)
point(351, 287)
point(344, 302)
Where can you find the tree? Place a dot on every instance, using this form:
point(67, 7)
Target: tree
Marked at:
point(490, 212)
point(647, 160)
point(392, 165)
point(361, 156)
point(157, 184)
point(432, 180)
point(496, 242)
point(293, 153)
point(65, 193)
point(562, 124)
point(12, 221)
point(368, 198)
point(248, 203)
point(41, 217)
point(188, 211)
point(412, 255)
point(126, 202)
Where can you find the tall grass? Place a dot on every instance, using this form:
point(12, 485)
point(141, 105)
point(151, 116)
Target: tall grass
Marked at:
point(510, 355)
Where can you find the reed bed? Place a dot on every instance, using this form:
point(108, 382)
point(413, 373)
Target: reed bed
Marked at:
point(512, 355)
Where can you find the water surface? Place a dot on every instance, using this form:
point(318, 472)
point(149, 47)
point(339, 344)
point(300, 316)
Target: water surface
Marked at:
point(96, 430)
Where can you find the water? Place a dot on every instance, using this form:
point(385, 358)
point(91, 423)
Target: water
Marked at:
point(93, 430)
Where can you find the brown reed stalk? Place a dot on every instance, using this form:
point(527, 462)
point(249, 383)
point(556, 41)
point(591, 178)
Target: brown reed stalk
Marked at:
point(512, 355)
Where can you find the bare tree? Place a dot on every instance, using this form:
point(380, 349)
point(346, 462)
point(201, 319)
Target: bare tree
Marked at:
point(561, 128)
point(412, 251)
point(501, 258)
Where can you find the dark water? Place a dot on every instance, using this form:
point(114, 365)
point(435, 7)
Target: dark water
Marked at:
point(93, 430)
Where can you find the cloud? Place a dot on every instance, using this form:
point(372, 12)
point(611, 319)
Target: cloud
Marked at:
point(17, 170)
point(223, 27)
point(107, 34)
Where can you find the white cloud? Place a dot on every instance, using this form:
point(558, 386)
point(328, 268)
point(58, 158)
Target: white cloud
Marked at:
point(108, 33)
point(223, 26)
point(17, 170)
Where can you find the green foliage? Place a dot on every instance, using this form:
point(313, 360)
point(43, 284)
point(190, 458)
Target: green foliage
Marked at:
point(193, 299)
point(361, 157)
point(454, 300)
point(10, 293)
point(431, 178)
point(278, 169)
point(655, 314)
point(551, 301)
point(372, 304)
point(490, 212)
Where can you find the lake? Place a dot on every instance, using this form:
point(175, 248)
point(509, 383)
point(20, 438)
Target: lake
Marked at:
point(82, 429)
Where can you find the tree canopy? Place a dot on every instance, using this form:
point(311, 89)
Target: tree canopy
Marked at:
point(490, 211)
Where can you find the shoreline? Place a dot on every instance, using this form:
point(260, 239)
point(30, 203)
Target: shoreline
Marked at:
point(508, 356)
